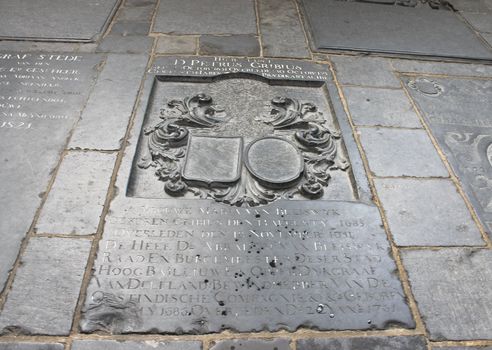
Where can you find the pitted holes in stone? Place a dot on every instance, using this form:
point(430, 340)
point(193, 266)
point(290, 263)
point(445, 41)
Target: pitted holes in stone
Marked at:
point(426, 87)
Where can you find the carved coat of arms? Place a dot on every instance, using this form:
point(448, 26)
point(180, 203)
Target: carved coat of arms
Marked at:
point(190, 156)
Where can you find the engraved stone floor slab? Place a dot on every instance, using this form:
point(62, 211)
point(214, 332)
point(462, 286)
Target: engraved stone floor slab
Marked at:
point(366, 343)
point(364, 26)
point(245, 344)
point(270, 251)
point(133, 345)
point(458, 112)
point(30, 346)
point(65, 20)
point(41, 97)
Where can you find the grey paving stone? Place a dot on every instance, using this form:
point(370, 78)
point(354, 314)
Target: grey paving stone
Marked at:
point(452, 291)
point(463, 348)
point(446, 68)
point(130, 28)
point(488, 39)
point(234, 45)
point(111, 104)
point(133, 345)
point(281, 30)
point(139, 3)
point(384, 107)
point(206, 17)
point(247, 344)
point(31, 346)
point(128, 45)
point(176, 45)
point(55, 19)
point(482, 22)
point(365, 343)
point(46, 287)
point(76, 199)
point(427, 212)
point(472, 5)
point(140, 13)
point(30, 46)
point(367, 71)
point(401, 152)
point(34, 128)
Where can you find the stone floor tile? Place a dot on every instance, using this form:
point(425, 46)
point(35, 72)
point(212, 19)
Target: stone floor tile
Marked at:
point(76, 200)
point(176, 45)
point(30, 46)
point(488, 39)
point(281, 31)
point(205, 17)
point(129, 44)
point(364, 343)
point(133, 345)
point(401, 152)
point(105, 119)
point(31, 346)
point(463, 348)
point(452, 290)
point(130, 28)
point(46, 287)
point(140, 13)
point(472, 5)
point(367, 71)
point(250, 344)
point(447, 68)
point(383, 107)
point(234, 45)
point(427, 212)
point(482, 22)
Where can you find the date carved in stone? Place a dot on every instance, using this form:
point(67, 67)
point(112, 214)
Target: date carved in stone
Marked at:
point(189, 156)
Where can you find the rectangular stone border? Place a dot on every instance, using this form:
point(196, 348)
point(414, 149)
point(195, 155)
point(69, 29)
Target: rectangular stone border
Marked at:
point(360, 183)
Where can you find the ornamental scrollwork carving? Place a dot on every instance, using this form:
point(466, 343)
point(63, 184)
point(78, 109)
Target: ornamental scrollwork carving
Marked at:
point(311, 151)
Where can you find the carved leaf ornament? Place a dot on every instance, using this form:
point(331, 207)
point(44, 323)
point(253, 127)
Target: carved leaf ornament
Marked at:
point(188, 158)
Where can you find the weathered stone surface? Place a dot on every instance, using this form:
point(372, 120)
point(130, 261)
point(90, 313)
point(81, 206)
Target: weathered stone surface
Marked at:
point(79, 21)
point(76, 200)
point(46, 287)
point(464, 348)
point(472, 6)
point(383, 107)
point(365, 343)
point(366, 71)
point(140, 13)
point(130, 28)
point(444, 68)
point(482, 22)
point(427, 212)
point(133, 345)
point(452, 291)
point(206, 17)
point(245, 344)
point(281, 31)
point(233, 45)
point(129, 44)
point(176, 45)
point(458, 113)
point(401, 152)
point(41, 97)
point(242, 271)
point(37, 46)
point(367, 26)
point(488, 38)
point(31, 346)
point(105, 119)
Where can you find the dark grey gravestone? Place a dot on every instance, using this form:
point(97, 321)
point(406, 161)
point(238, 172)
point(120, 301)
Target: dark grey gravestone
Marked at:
point(452, 291)
point(233, 45)
point(365, 343)
point(133, 345)
point(64, 20)
point(30, 346)
point(397, 29)
point(46, 288)
point(41, 98)
point(458, 113)
point(246, 344)
point(205, 17)
point(201, 242)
